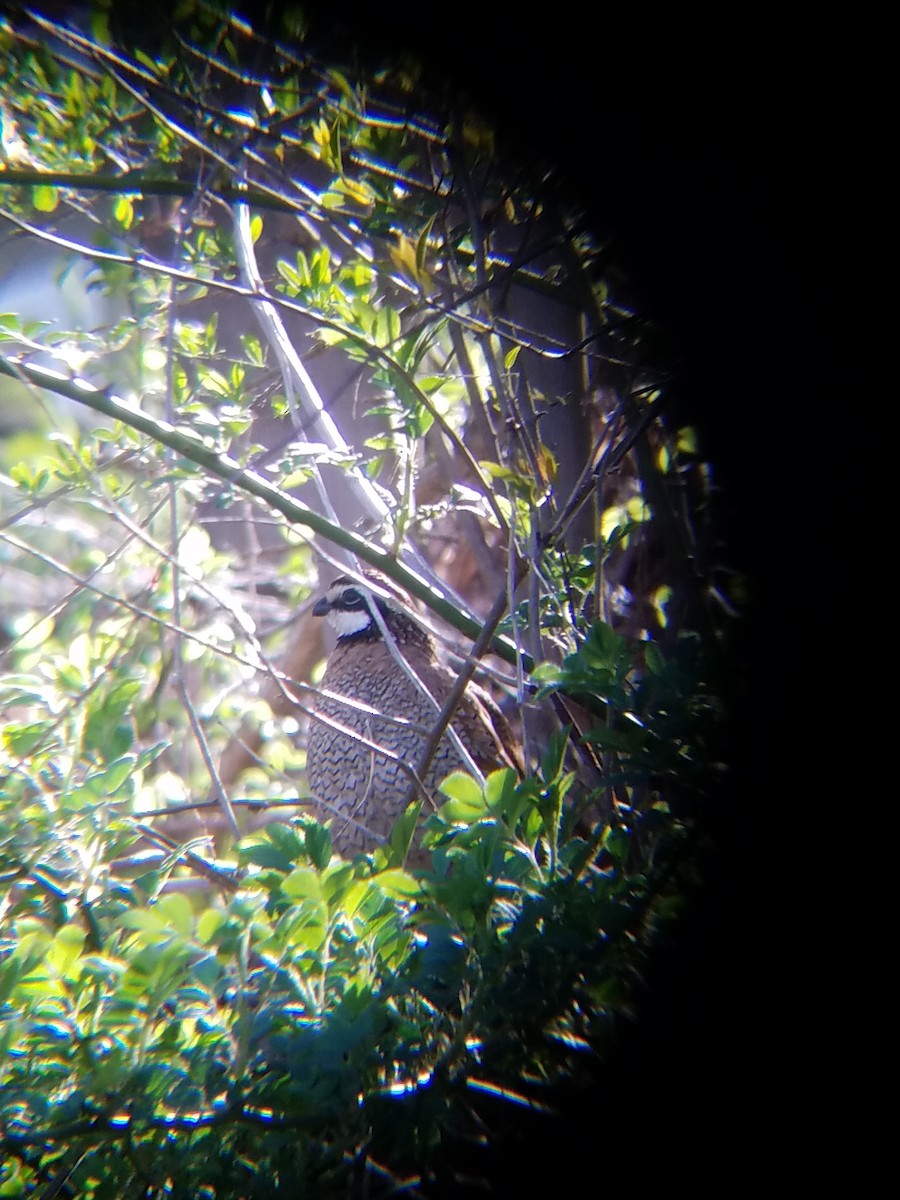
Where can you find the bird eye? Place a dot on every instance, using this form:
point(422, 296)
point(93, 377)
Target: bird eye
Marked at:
point(351, 598)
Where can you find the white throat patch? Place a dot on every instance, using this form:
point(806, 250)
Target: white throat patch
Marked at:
point(346, 623)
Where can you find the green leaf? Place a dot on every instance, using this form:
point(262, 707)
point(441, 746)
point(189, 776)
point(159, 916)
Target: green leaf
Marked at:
point(653, 658)
point(461, 786)
point(45, 197)
point(304, 883)
point(403, 256)
point(253, 349)
point(404, 830)
point(100, 27)
point(123, 211)
point(386, 326)
point(318, 845)
point(264, 854)
point(618, 843)
point(209, 923)
point(466, 801)
point(66, 948)
point(150, 63)
point(309, 928)
point(117, 773)
point(553, 758)
point(144, 920)
point(287, 840)
point(422, 246)
point(499, 790)
point(176, 907)
point(35, 634)
point(398, 884)
point(289, 274)
point(23, 739)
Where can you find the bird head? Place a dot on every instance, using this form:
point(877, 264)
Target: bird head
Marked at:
point(347, 604)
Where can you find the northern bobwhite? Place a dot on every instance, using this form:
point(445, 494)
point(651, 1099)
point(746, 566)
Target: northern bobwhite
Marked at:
point(362, 790)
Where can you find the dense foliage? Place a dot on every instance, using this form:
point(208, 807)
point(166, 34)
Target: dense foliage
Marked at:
point(315, 318)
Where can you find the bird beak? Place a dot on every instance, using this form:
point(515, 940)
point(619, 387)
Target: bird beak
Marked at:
point(321, 608)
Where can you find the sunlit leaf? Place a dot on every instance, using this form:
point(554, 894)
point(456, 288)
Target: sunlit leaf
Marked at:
point(123, 211)
point(45, 197)
point(177, 909)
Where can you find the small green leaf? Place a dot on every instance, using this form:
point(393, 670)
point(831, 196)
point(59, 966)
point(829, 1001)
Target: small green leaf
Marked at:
point(117, 773)
point(287, 840)
point(123, 211)
point(499, 789)
point(310, 930)
point(466, 801)
point(422, 245)
point(209, 923)
point(318, 845)
point(403, 831)
point(304, 883)
point(45, 197)
point(143, 920)
point(264, 854)
point(22, 739)
point(386, 328)
point(554, 756)
point(397, 884)
point(19, 1180)
point(463, 787)
point(653, 658)
point(253, 349)
point(35, 635)
point(288, 274)
point(66, 948)
point(177, 908)
point(100, 28)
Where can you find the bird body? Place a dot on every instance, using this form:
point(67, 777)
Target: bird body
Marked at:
point(371, 721)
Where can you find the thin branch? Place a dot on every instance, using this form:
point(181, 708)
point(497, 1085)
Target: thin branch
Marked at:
point(140, 182)
point(482, 642)
point(408, 671)
point(224, 879)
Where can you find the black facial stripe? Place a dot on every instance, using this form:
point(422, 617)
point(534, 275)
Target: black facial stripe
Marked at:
point(350, 600)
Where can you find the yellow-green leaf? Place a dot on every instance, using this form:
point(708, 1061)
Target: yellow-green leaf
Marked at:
point(123, 211)
point(45, 197)
point(303, 883)
point(35, 635)
point(399, 885)
point(66, 948)
point(178, 909)
point(209, 923)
